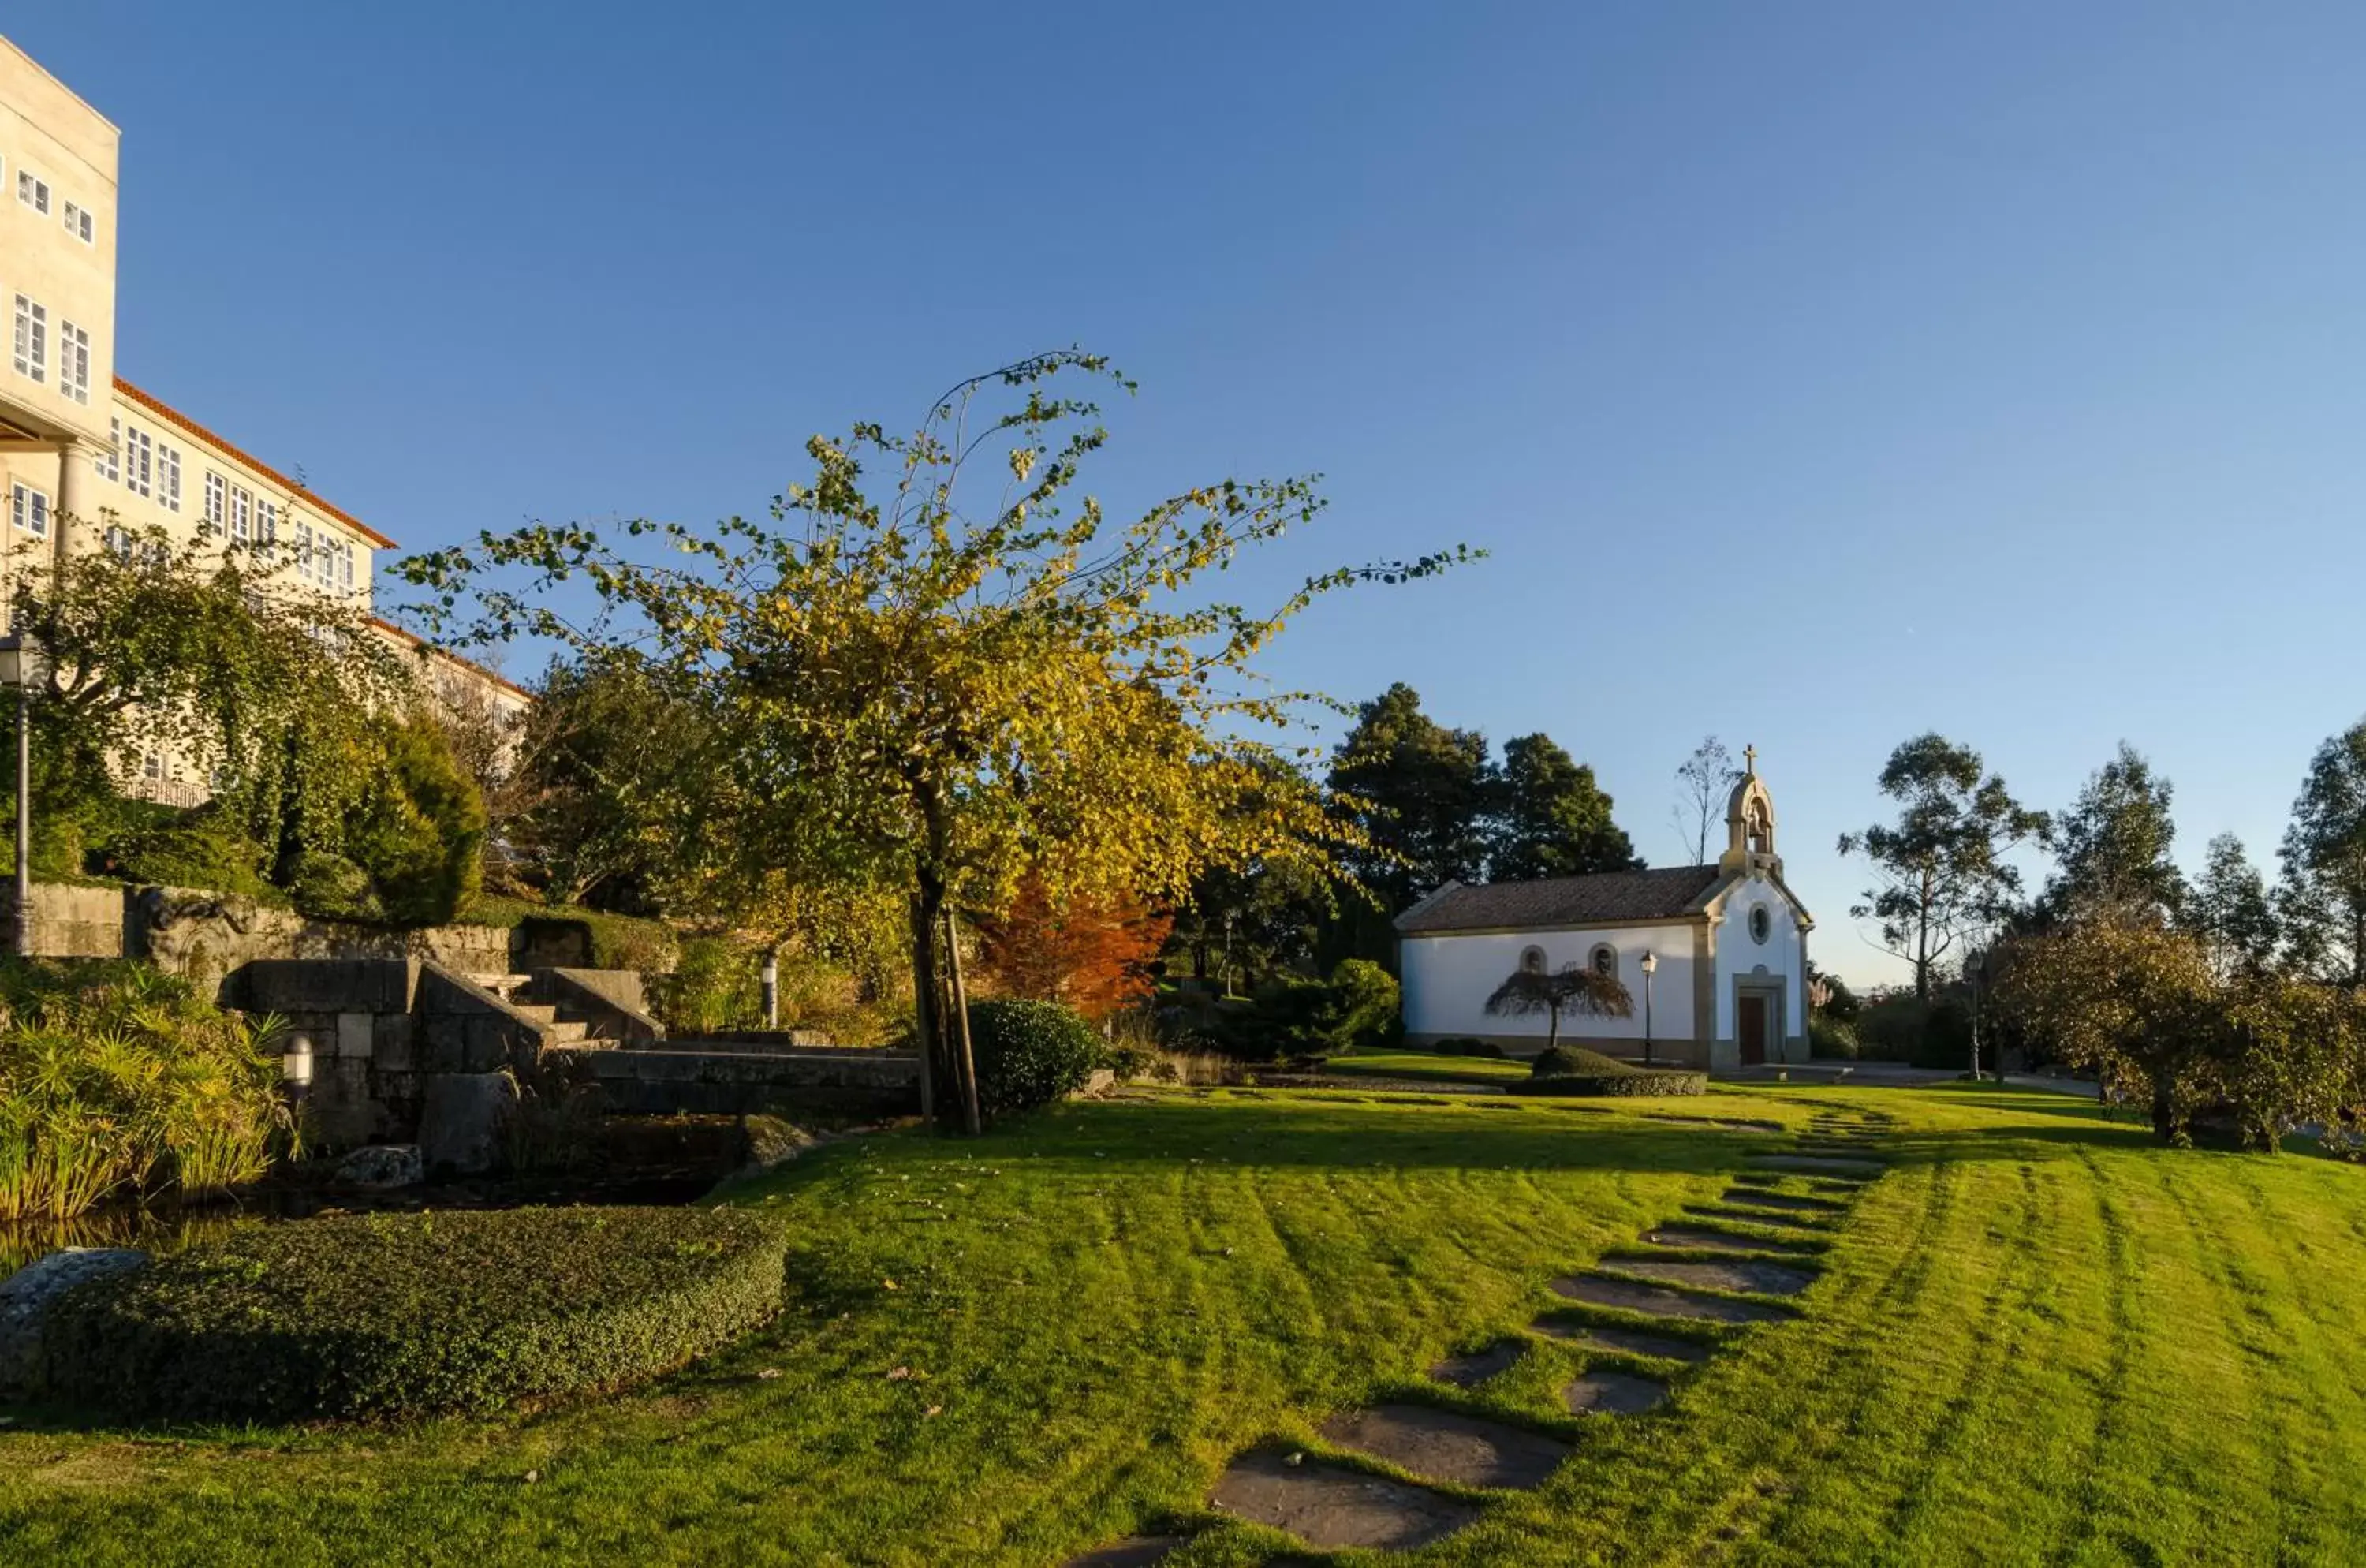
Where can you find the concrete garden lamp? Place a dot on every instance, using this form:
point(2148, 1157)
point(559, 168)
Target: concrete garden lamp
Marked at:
point(296, 1069)
point(1650, 965)
point(23, 665)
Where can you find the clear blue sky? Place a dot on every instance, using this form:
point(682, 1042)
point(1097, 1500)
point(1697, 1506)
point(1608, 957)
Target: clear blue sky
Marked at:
point(1815, 374)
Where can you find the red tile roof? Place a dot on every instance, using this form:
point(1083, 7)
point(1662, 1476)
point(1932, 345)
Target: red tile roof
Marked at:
point(415, 640)
point(172, 415)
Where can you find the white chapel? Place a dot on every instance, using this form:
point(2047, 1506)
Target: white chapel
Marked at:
point(1715, 957)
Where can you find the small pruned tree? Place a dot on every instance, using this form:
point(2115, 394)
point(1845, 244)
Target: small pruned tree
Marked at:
point(1941, 877)
point(1092, 953)
point(932, 670)
point(1573, 988)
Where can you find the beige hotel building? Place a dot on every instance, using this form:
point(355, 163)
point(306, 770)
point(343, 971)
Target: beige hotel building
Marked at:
point(86, 456)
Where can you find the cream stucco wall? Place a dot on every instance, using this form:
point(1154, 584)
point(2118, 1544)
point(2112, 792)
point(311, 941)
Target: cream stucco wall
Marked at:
point(1446, 979)
point(47, 132)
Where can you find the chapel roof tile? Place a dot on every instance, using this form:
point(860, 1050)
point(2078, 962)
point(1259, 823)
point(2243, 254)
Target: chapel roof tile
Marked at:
point(1608, 897)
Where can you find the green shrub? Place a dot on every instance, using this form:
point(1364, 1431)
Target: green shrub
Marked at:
point(1890, 1029)
point(1573, 1071)
point(116, 1076)
point(201, 849)
point(1467, 1045)
point(718, 983)
point(1830, 1039)
point(1029, 1053)
point(419, 831)
point(1364, 1005)
point(384, 1313)
point(330, 887)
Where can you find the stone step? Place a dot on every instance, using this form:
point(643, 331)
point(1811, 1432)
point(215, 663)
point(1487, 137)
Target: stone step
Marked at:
point(1442, 1445)
point(1820, 1165)
point(1811, 1223)
point(1711, 1238)
point(1134, 1552)
point(1614, 1394)
point(501, 985)
point(1797, 1204)
point(1618, 1341)
point(1754, 1277)
point(1331, 1506)
point(1471, 1368)
point(1660, 1301)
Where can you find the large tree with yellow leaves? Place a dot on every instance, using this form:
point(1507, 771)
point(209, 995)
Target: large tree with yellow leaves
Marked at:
point(966, 679)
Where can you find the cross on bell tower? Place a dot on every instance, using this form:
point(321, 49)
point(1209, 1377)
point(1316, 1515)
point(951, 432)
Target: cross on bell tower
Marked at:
point(1749, 823)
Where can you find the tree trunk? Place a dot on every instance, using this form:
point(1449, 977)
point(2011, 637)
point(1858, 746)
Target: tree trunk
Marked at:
point(1553, 1027)
point(924, 1000)
point(2164, 1111)
point(964, 1060)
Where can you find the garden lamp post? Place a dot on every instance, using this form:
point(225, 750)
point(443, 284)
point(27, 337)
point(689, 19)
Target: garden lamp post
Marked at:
point(1649, 967)
point(22, 666)
point(296, 1069)
point(771, 989)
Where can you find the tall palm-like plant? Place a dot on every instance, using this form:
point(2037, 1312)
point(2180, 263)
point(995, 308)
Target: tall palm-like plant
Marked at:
point(1573, 988)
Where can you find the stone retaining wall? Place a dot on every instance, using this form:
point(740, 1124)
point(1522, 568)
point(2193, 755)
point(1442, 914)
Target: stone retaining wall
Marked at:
point(701, 1082)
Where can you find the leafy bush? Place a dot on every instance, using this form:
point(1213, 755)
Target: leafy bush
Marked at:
point(1029, 1053)
point(1830, 1039)
point(203, 849)
point(717, 983)
point(420, 831)
point(1365, 1006)
point(1467, 1045)
point(1573, 1071)
point(114, 1075)
point(385, 1313)
point(330, 887)
point(1890, 1029)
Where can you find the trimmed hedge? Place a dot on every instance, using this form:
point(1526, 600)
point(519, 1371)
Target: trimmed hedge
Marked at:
point(1573, 1071)
point(383, 1315)
point(1028, 1053)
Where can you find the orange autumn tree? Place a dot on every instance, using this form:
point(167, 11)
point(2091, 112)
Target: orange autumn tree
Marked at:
point(1094, 954)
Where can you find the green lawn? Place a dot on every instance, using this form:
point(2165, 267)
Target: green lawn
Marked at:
point(2037, 1339)
point(1423, 1065)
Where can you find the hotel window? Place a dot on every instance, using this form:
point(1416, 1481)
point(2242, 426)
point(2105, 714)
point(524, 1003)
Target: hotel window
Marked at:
point(110, 464)
point(151, 767)
point(304, 551)
point(168, 476)
point(266, 520)
point(78, 222)
point(30, 509)
point(214, 509)
point(33, 193)
point(74, 362)
point(32, 339)
point(139, 461)
point(119, 541)
point(345, 565)
point(242, 512)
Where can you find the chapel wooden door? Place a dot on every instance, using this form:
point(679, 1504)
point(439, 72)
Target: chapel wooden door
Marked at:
point(1754, 1028)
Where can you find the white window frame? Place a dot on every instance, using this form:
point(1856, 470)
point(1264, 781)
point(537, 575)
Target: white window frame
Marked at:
point(79, 222)
point(266, 520)
point(213, 502)
point(33, 191)
point(32, 338)
point(242, 512)
point(119, 541)
point(304, 547)
point(139, 461)
point(168, 476)
point(74, 362)
point(29, 510)
point(108, 464)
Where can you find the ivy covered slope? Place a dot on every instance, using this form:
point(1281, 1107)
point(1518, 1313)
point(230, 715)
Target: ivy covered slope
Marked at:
point(384, 1313)
point(2038, 1337)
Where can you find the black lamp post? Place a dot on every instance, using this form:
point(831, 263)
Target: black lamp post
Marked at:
point(1650, 965)
point(23, 667)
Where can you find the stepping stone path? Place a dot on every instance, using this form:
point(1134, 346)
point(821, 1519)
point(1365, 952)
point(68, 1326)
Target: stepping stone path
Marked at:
point(1614, 1394)
point(1439, 1444)
point(1472, 1368)
point(1755, 1278)
point(1331, 1506)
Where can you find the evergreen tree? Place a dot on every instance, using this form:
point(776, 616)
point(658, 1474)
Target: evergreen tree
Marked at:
point(2113, 845)
point(1551, 819)
point(2323, 899)
point(1422, 792)
point(2230, 910)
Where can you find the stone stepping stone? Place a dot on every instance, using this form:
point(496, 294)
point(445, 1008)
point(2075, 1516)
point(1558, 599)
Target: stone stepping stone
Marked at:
point(1332, 1506)
point(1440, 1445)
point(1624, 1341)
point(1752, 1276)
point(1657, 1301)
point(1707, 1238)
point(1821, 1165)
point(1614, 1394)
point(1471, 1368)
point(1776, 1217)
point(1134, 1552)
point(1797, 1204)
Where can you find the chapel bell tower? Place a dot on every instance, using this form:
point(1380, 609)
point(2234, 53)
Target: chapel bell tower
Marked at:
point(1750, 825)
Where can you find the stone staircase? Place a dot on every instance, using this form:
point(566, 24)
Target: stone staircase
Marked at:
point(538, 999)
